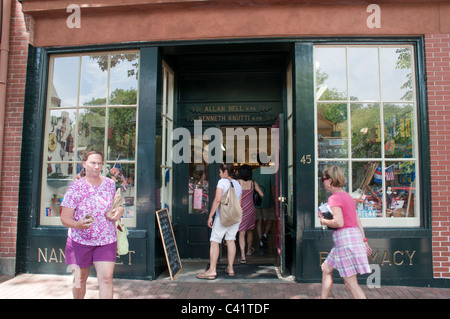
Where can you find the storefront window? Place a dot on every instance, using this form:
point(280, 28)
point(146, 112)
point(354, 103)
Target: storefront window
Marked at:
point(91, 104)
point(365, 123)
point(198, 188)
point(164, 141)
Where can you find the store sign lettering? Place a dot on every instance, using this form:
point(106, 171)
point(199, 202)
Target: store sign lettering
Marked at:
point(46, 255)
point(56, 256)
point(241, 113)
point(398, 258)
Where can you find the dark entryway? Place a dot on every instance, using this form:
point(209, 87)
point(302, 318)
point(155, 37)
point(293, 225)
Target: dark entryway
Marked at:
point(237, 85)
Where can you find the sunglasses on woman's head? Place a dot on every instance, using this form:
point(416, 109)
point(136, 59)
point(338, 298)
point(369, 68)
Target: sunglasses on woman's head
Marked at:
point(324, 178)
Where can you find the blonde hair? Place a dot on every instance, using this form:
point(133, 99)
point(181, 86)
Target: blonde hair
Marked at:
point(336, 174)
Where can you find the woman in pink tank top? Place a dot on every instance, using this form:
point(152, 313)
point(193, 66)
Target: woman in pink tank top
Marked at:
point(349, 253)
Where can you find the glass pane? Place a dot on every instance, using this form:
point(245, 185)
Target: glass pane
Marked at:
point(198, 188)
point(396, 74)
point(64, 89)
point(94, 75)
point(124, 176)
point(59, 176)
point(401, 189)
point(61, 139)
point(331, 82)
point(363, 74)
point(367, 183)
point(332, 130)
point(91, 130)
point(123, 79)
point(366, 134)
point(121, 133)
point(323, 194)
point(398, 130)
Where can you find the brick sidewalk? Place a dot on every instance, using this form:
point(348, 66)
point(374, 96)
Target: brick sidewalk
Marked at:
point(30, 286)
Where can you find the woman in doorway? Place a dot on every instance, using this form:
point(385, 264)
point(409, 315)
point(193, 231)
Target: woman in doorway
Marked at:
point(92, 236)
point(248, 211)
point(350, 250)
point(218, 230)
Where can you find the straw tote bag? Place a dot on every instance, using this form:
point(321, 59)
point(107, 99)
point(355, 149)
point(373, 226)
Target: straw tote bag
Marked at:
point(230, 210)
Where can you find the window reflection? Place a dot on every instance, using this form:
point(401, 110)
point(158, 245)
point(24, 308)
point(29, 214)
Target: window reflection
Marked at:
point(93, 81)
point(366, 134)
point(80, 118)
point(331, 74)
point(91, 130)
point(381, 149)
point(363, 74)
point(123, 79)
point(396, 74)
point(64, 89)
point(121, 133)
point(332, 130)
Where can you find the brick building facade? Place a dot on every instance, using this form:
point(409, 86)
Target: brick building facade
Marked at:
point(437, 48)
point(40, 27)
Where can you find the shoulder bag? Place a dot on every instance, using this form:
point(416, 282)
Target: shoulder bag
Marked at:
point(230, 210)
point(257, 199)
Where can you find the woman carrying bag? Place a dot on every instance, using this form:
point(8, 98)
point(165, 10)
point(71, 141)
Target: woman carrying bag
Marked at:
point(92, 235)
point(350, 250)
point(219, 231)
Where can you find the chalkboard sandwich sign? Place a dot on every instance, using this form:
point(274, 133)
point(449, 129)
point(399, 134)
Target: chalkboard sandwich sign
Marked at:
point(169, 243)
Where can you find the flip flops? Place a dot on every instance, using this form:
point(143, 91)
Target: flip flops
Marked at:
point(205, 276)
point(231, 274)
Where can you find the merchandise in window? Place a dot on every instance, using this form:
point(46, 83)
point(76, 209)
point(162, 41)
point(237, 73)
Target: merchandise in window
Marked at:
point(91, 105)
point(365, 123)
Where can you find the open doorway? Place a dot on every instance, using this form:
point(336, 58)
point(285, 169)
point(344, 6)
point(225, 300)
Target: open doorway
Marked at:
point(249, 148)
point(225, 86)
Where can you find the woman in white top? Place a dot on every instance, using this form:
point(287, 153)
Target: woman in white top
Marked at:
point(218, 230)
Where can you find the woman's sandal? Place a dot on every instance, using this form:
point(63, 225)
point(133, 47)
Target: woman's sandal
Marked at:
point(231, 274)
point(205, 276)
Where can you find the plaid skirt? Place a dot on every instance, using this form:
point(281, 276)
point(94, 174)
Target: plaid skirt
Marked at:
point(348, 256)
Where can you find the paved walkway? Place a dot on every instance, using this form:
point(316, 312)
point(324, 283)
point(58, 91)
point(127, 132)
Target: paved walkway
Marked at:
point(29, 286)
point(186, 286)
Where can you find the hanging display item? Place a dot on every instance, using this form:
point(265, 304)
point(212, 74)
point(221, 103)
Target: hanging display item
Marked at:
point(52, 142)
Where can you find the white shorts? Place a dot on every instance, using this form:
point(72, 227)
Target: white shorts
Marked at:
point(218, 231)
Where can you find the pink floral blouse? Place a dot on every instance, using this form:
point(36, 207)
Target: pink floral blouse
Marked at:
point(95, 200)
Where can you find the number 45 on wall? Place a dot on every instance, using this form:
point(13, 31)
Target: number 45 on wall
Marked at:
point(306, 159)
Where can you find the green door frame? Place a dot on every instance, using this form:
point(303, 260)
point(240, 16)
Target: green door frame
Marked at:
point(303, 90)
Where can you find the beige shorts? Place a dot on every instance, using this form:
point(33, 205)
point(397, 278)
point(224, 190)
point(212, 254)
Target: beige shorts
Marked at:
point(219, 231)
point(265, 213)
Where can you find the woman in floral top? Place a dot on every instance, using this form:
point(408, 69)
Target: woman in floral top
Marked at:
point(91, 236)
